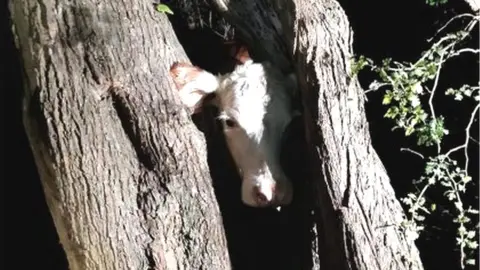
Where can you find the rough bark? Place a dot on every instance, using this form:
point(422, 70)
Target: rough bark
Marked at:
point(358, 204)
point(357, 211)
point(123, 168)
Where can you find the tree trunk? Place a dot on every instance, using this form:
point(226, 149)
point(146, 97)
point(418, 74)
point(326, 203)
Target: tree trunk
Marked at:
point(357, 212)
point(123, 168)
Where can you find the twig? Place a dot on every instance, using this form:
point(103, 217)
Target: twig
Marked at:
point(459, 206)
point(434, 46)
point(375, 89)
point(449, 21)
point(424, 189)
point(432, 94)
point(454, 149)
point(467, 136)
point(477, 142)
point(412, 151)
point(465, 50)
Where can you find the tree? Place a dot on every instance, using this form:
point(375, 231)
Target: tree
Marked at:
point(336, 129)
point(353, 203)
point(124, 172)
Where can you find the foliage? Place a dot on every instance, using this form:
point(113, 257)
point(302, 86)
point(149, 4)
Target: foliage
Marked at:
point(409, 90)
point(163, 9)
point(436, 2)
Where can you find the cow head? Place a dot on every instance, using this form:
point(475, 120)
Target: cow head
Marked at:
point(255, 108)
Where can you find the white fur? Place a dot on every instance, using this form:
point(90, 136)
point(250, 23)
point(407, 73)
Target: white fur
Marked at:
point(258, 98)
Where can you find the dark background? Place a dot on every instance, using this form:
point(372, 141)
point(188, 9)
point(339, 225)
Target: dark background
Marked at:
point(396, 29)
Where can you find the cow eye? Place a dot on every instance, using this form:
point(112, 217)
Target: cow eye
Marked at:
point(230, 123)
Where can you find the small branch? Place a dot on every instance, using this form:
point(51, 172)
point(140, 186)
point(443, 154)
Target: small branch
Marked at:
point(412, 151)
point(465, 50)
point(477, 142)
point(455, 149)
point(424, 189)
point(467, 136)
point(450, 21)
point(467, 30)
point(459, 206)
point(434, 46)
point(432, 94)
point(474, 21)
point(375, 89)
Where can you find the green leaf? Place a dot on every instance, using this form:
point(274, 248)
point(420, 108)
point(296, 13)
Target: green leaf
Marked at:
point(472, 244)
point(471, 234)
point(409, 130)
point(164, 9)
point(417, 88)
point(414, 101)
point(470, 261)
point(450, 91)
point(391, 112)
point(472, 211)
point(387, 98)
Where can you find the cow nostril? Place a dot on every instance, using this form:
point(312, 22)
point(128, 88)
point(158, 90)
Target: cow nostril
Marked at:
point(260, 197)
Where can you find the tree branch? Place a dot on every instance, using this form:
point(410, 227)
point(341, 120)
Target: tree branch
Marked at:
point(467, 139)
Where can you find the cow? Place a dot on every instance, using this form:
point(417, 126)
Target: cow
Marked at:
point(255, 107)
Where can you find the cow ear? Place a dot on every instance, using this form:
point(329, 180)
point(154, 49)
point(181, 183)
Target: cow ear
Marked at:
point(193, 84)
point(240, 53)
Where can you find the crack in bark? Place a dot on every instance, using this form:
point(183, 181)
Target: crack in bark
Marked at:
point(43, 14)
point(143, 199)
point(131, 128)
point(350, 250)
point(347, 195)
point(35, 112)
point(90, 66)
point(150, 258)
